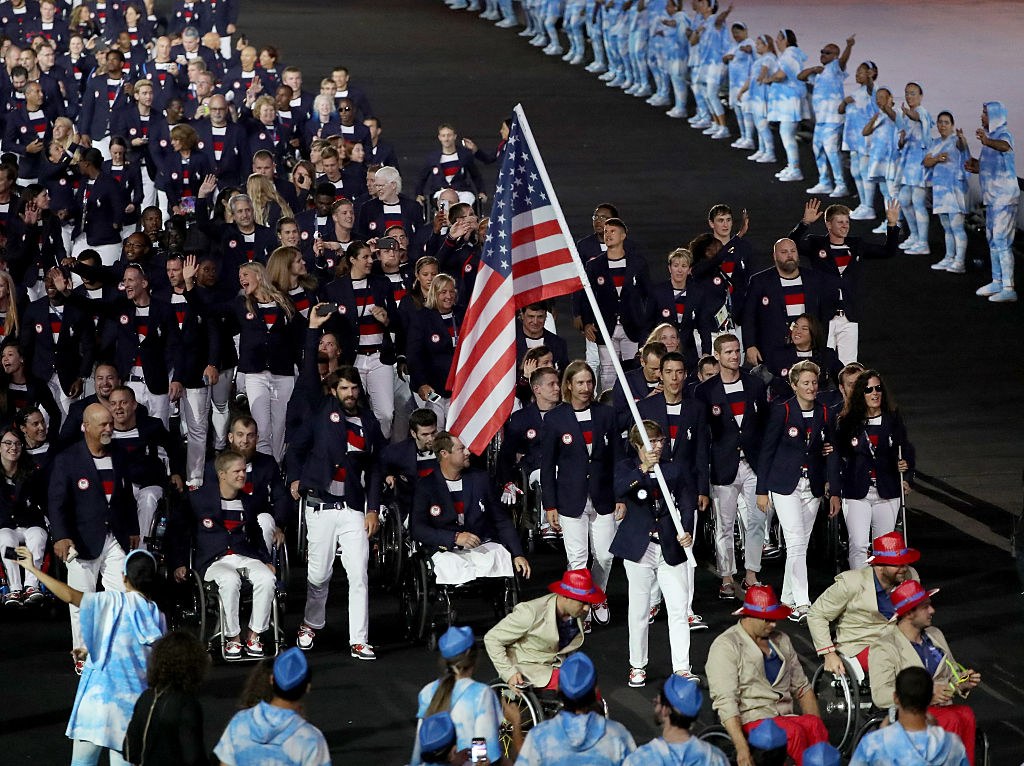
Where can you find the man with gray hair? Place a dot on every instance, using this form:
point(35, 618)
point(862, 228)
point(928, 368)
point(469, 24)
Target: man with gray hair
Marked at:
point(244, 240)
point(190, 48)
point(388, 207)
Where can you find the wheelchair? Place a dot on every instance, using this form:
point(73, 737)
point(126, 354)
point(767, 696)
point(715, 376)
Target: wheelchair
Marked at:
point(388, 549)
point(535, 705)
point(197, 610)
point(428, 609)
point(829, 541)
point(716, 735)
point(844, 704)
point(527, 511)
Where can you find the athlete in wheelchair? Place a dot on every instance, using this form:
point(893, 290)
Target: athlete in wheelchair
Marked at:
point(464, 535)
point(226, 546)
point(858, 603)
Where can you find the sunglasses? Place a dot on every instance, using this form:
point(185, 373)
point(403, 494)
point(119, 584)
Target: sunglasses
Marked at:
point(873, 389)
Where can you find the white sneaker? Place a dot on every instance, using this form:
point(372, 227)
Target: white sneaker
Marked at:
point(363, 652)
point(908, 244)
point(642, 92)
point(956, 267)
point(766, 158)
point(576, 60)
point(553, 51)
point(722, 133)
point(921, 249)
point(657, 100)
point(305, 638)
point(756, 156)
point(744, 143)
point(990, 289)
point(1006, 295)
point(676, 113)
point(710, 130)
point(840, 191)
point(862, 213)
point(568, 56)
point(601, 614)
point(505, 24)
point(820, 188)
point(792, 174)
point(942, 265)
point(637, 677)
point(606, 76)
point(700, 124)
point(882, 228)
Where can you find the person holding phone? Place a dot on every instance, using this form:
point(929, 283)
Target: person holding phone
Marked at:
point(433, 336)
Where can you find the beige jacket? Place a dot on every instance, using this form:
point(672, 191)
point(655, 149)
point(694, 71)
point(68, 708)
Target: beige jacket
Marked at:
point(893, 652)
point(851, 602)
point(739, 687)
point(527, 641)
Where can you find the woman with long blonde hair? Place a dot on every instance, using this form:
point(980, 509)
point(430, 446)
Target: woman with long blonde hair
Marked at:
point(286, 270)
point(270, 341)
point(9, 326)
point(267, 203)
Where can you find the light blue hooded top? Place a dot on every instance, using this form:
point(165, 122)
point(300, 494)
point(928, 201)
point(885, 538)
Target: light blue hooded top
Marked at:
point(693, 752)
point(895, 746)
point(998, 170)
point(571, 739)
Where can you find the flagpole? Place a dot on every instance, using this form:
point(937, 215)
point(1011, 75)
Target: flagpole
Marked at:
point(599, 320)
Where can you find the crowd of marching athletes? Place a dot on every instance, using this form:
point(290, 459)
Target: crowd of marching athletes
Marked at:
point(672, 55)
point(215, 294)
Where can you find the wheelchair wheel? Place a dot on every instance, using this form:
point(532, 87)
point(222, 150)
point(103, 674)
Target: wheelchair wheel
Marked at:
point(190, 607)
point(717, 736)
point(279, 558)
point(301, 542)
point(872, 724)
point(838, 702)
point(415, 599)
point(387, 552)
point(530, 712)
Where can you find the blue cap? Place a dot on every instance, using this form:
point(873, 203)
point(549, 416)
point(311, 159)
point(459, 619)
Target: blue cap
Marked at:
point(436, 731)
point(290, 669)
point(455, 641)
point(767, 735)
point(577, 676)
point(821, 754)
point(683, 695)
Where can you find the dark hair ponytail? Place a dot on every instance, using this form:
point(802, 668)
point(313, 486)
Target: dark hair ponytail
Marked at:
point(140, 569)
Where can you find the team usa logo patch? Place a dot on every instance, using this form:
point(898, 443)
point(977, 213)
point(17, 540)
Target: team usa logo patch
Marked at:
point(785, 372)
point(435, 510)
point(793, 431)
point(124, 319)
point(764, 301)
point(854, 441)
point(716, 410)
point(531, 433)
point(208, 523)
point(335, 417)
point(566, 439)
point(250, 315)
point(39, 328)
point(83, 484)
point(435, 338)
point(342, 309)
point(373, 225)
point(304, 235)
point(666, 313)
point(822, 254)
point(600, 280)
point(641, 495)
point(717, 281)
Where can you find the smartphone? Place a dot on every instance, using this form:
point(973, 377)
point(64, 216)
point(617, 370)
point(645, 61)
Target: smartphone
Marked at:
point(433, 396)
point(478, 753)
point(326, 309)
point(444, 206)
point(387, 243)
point(10, 555)
point(188, 205)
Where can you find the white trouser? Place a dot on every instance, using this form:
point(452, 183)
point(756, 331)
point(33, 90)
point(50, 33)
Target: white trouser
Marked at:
point(195, 410)
point(220, 392)
point(63, 400)
point(326, 531)
point(592, 356)
point(403, 408)
point(440, 407)
point(621, 345)
point(843, 336)
point(149, 193)
point(159, 405)
point(676, 584)
point(593, 533)
point(726, 500)
point(103, 144)
point(109, 254)
point(33, 538)
point(796, 514)
point(85, 753)
point(227, 573)
point(488, 559)
point(379, 384)
point(867, 519)
point(83, 574)
point(146, 499)
point(268, 396)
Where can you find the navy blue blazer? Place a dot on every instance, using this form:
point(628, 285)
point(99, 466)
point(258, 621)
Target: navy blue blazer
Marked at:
point(202, 520)
point(321, 444)
point(266, 486)
point(727, 438)
point(372, 221)
point(259, 349)
point(625, 307)
point(690, 452)
point(647, 514)
point(19, 133)
point(159, 350)
point(524, 435)
point(101, 215)
point(145, 466)
point(77, 504)
point(400, 460)
point(854, 459)
point(71, 356)
point(233, 144)
point(430, 351)
point(346, 321)
point(97, 111)
point(725, 276)
point(818, 250)
point(434, 521)
point(639, 389)
point(568, 475)
point(556, 345)
point(780, 360)
point(765, 322)
point(661, 307)
point(466, 177)
point(790, 442)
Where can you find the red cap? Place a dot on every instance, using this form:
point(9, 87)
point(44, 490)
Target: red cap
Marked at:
point(578, 585)
point(762, 603)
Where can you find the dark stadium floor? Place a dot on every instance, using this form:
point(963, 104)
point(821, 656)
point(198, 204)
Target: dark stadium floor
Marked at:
point(953, 360)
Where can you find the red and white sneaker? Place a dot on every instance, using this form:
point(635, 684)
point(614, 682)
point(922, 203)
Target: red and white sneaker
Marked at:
point(32, 595)
point(697, 622)
point(79, 656)
point(655, 611)
point(305, 638)
point(601, 614)
point(637, 677)
point(233, 649)
point(363, 652)
point(254, 647)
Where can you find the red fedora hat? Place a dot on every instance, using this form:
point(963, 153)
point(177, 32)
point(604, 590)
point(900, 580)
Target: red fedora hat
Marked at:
point(890, 550)
point(908, 595)
point(761, 602)
point(577, 584)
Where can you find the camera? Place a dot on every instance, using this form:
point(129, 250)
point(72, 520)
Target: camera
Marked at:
point(10, 554)
point(387, 243)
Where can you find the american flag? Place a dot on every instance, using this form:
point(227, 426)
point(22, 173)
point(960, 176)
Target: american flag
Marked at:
point(526, 258)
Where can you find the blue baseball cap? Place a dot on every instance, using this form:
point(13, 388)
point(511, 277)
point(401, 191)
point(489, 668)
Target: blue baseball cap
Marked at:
point(767, 735)
point(683, 695)
point(436, 731)
point(821, 754)
point(455, 641)
point(290, 669)
point(577, 676)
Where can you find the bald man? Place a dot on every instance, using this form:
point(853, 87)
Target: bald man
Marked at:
point(92, 512)
point(223, 141)
point(778, 295)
